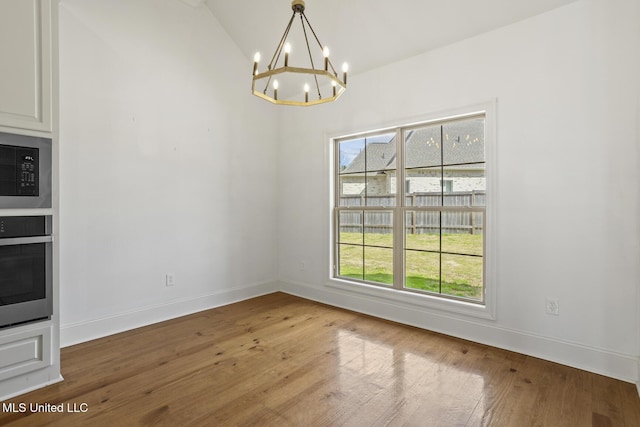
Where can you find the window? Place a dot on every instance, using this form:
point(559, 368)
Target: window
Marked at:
point(427, 236)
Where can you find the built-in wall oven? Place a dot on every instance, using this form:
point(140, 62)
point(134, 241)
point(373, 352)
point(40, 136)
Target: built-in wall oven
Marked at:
point(25, 171)
point(26, 269)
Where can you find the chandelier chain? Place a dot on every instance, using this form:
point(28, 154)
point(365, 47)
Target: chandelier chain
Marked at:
point(278, 52)
point(318, 40)
point(309, 50)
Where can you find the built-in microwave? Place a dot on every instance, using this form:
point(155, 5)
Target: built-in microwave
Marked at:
point(25, 171)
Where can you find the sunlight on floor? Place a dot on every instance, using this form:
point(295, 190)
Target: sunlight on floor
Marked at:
point(418, 384)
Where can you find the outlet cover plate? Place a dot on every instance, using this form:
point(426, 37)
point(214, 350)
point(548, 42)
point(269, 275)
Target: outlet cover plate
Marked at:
point(170, 279)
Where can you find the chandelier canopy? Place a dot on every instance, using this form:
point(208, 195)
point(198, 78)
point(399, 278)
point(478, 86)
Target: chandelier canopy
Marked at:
point(283, 84)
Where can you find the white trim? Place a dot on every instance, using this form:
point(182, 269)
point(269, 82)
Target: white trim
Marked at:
point(20, 381)
point(411, 298)
point(486, 310)
point(638, 378)
point(597, 360)
point(75, 333)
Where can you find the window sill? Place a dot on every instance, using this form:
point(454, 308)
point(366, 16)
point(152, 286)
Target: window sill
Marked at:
point(414, 299)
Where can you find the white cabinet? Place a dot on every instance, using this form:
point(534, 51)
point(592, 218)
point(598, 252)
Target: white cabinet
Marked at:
point(25, 350)
point(25, 65)
point(30, 353)
point(29, 358)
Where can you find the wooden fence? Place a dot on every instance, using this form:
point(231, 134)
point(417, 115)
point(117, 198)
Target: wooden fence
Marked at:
point(416, 222)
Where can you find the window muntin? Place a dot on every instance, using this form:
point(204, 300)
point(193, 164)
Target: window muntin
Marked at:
point(365, 243)
point(428, 235)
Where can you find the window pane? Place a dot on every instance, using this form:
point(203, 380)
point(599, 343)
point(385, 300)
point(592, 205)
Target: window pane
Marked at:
point(422, 230)
point(352, 190)
point(378, 228)
point(423, 147)
point(367, 171)
point(378, 265)
point(467, 184)
point(463, 141)
point(380, 190)
point(350, 227)
point(350, 263)
point(462, 276)
point(456, 222)
point(466, 244)
point(380, 152)
point(424, 187)
point(422, 270)
point(352, 156)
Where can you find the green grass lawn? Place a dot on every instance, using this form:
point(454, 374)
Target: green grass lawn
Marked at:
point(461, 274)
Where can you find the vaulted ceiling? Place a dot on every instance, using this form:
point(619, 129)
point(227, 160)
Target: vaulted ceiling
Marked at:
point(371, 33)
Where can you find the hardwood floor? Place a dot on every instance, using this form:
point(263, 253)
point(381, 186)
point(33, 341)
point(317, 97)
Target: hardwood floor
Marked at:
point(279, 360)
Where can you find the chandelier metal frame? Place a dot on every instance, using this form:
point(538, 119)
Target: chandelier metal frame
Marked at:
point(328, 76)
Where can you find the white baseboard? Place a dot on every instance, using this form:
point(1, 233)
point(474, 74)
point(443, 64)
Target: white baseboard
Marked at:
point(620, 366)
point(13, 387)
point(638, 382)
point(76, 333)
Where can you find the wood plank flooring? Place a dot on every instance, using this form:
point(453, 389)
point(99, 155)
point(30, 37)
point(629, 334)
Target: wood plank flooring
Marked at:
point(280, 360)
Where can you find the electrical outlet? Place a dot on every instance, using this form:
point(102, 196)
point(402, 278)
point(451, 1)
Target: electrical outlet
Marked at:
point(552, 306)
point(170, 279)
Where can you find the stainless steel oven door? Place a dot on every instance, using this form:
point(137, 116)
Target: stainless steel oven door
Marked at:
point(26, 274)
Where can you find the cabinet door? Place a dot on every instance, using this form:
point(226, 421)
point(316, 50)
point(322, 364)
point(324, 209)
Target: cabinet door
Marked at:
point(25, 64)
point(25, 349)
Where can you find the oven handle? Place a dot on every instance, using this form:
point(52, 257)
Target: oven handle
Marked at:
point(25, 240)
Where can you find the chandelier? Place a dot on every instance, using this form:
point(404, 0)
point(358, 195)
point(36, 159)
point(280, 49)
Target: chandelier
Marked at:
point(296, 82)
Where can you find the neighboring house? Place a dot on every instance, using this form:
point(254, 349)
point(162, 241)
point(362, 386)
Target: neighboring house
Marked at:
point(457, 165)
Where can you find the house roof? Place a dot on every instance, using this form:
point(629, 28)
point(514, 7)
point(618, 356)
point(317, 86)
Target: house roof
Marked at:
point(463, 144)
point(376, 156)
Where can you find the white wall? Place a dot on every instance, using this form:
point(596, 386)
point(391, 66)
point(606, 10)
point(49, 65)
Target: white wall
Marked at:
point(566, 85)
point(168, 165)
point(152, 89)
point(638, 196)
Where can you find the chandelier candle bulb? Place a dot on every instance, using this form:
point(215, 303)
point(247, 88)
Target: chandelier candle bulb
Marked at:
point(345, 68)
point(287, 51)
point(325, 53)
point(306, 92)
point(334, 84)
point(275, 90)
point(256, 59)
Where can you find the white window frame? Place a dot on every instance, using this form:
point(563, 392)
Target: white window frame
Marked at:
point(486, 309)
